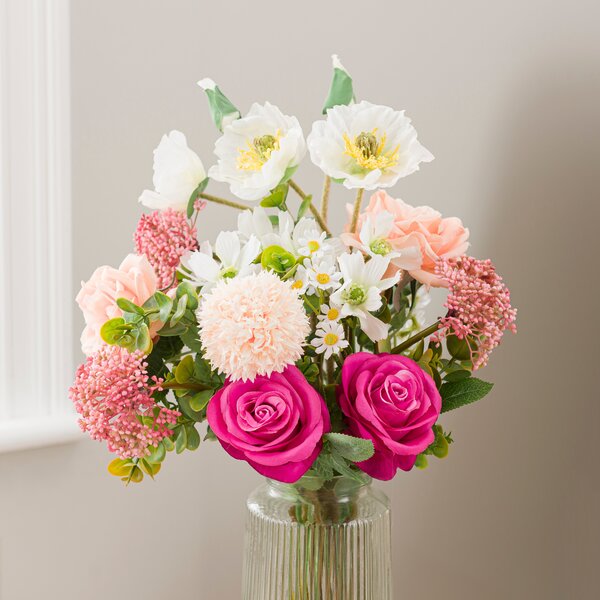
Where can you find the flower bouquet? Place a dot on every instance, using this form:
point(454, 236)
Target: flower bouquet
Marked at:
point(302, 352)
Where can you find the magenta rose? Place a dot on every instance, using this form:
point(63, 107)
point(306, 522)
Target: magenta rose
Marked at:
point(275, 423)
point(390, 400)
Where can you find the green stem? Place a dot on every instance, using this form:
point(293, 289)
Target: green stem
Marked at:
point(325, 197)
point(313, 209)
point(416, 338)
point(356, 211)
point(223, 201)
point(195, 387)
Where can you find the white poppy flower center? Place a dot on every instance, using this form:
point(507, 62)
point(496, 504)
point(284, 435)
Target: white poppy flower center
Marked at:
point(258, 152)
point(355, 294)
point(229, 273)
point(369, 151)
point(381, 247)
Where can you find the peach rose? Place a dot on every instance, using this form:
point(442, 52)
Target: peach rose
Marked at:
point(436, 236)
point(135, 280)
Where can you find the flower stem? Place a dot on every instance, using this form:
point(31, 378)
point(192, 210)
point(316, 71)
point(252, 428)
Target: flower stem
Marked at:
point(223, 201)
point(325, 197)
point(356, 211)
point(416, 338)
point(313, 209)
point(195, 387)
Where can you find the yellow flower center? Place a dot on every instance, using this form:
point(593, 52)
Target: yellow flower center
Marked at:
point(258, 152)
point(333, 314)
point(330, 339)
point(313, 246)
point(297, 284)
point(369, 151)
point(323, 278)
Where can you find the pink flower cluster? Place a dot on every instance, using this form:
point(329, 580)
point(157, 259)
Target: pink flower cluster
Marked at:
point(113, 394)
point(164, 237)
point(478, 305)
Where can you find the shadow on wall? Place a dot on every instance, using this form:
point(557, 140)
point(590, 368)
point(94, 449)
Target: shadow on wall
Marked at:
point(544, 237)
point(512, 513)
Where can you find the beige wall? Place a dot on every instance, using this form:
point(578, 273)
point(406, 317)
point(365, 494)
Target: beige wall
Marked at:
point(507, 96)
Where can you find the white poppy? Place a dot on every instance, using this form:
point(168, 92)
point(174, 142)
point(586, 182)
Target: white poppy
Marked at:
point(233, 259)
point(329, 339)
point(374, 240)
point(361, 293)
point(366, 145)
point(177, 173)
point(255, 152)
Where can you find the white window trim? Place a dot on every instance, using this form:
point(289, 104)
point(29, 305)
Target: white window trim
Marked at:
point(36, 294)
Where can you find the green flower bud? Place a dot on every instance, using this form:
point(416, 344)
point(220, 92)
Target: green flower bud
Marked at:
point(355, 294)
point(278, 259)
point(381, 247)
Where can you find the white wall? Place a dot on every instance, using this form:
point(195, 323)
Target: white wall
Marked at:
point(506, 95)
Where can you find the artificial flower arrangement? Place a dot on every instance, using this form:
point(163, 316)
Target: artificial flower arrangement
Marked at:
point(301, 352)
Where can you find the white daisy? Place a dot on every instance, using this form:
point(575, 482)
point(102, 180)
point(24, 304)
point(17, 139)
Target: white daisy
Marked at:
point(308, 238)
point(233, 259)
point(361, 293)
point(330, 313)
point(366, 146)
point(323, 274)
point(255, 152)
point(329, 339)
point(300, 281)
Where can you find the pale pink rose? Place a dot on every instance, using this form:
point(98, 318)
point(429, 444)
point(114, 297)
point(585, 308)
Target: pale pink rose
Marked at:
point(437, 237)
point(135, 280)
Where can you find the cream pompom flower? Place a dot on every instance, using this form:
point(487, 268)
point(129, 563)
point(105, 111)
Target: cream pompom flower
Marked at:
point(366, 145)
point(253, 325)
point(255, 152)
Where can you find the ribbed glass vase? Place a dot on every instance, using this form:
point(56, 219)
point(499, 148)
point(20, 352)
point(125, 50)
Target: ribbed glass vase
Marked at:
point(314, 541)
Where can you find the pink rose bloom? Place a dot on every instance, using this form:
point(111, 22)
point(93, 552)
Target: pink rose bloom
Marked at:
point(437, 237)
point(390, 400)
point(274, 423)
point(135, 280)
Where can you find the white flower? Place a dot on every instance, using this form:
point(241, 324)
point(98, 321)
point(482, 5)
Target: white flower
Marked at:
point(234, 259)
point(374, 240)
point(323, 274)
point(366, 145)
point(361, 292)
point(177, 173)
point(256, 151)
point(308, 238)
point(330, 313)
point(300, 280)
point(329, 339)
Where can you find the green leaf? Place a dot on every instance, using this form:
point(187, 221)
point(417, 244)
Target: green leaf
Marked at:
point(421, 462)
point(289, 173)
point(181, 305)
point(169, 444)
point(184, 371)
point(164, 305)
point(158, 454)
point(210, 435)
point(221, 108)
point(200, 400)
point(201, 187)
point(113, 330)
point(304, 205)
point(351, 448)
point(193, 437)
point(192, 340)
point(120, 467)
point(187, 410)
point(343, 468)
point(176, 330)
point(460, 349)
point(277, 196)
point(149, 468)
point(181, 440)
point(136, 475)
point(341, 91)
point(143, 341)
point(458, 375)
point(128, 306)
point(187, 288)
point(459, 393)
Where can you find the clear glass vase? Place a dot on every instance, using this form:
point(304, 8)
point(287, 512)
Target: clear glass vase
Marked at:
point(314, 541)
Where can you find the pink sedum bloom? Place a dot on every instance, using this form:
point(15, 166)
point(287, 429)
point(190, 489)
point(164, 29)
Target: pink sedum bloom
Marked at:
point(419, 227)
point(111, 392)
point(135, 280)
point(164, 237)
point(252, 325)
point(478, 305)
point(274, 423)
